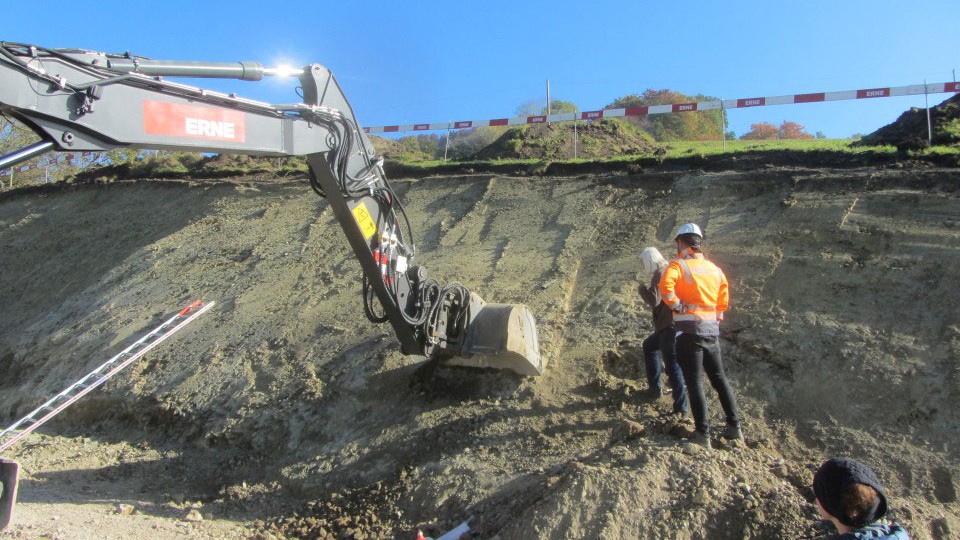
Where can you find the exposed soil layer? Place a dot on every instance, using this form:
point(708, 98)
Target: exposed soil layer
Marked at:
point(282, 412)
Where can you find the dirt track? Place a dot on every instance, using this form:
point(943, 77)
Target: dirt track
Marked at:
point(284, 412)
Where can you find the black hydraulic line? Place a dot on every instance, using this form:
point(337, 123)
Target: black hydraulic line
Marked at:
point(26, 153)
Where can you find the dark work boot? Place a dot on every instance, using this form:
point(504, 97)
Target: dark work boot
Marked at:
point(732, 432)
point(701, 439)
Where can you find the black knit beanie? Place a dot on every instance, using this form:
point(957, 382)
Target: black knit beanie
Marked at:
point(831, 480)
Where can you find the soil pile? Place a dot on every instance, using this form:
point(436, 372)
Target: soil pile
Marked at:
point(603, 138)
point(910, 131)
point(283, 412)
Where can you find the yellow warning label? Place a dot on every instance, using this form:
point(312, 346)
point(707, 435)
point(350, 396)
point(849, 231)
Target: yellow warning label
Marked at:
point(364, 220)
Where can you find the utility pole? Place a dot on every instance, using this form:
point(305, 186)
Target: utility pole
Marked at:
point(548, 97)
point(446, 142)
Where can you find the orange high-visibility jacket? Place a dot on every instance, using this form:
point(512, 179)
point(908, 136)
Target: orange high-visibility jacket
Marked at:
point(701, 288)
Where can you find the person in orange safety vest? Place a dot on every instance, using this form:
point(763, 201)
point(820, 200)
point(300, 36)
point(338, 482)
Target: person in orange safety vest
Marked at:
point(697, 292)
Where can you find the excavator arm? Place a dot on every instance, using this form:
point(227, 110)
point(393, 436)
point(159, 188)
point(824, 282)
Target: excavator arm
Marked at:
point(82, 101)
point(79, 100)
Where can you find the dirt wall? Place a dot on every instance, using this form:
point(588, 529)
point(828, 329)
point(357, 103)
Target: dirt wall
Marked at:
point(286, 412)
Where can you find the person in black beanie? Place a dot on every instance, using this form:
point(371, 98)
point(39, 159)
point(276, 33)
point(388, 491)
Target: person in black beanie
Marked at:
point(850, 496)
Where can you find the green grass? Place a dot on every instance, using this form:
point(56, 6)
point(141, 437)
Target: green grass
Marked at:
point(183, 165)
point(943, 150)
point(686, 148)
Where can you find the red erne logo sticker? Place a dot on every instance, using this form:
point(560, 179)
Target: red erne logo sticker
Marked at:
point(952, 87)
point(178, 120)
point(591, 115)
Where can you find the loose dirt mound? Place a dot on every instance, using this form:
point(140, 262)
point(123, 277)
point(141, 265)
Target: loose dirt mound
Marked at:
point(910, 131)
point(604, 138)
point(284, 412)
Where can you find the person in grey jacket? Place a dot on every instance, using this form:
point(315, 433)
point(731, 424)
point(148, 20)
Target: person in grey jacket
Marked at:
point(662, 343)
point(850, 496)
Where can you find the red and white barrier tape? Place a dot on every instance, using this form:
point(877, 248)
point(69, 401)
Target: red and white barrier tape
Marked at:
point(680, 107)
point(936, 88)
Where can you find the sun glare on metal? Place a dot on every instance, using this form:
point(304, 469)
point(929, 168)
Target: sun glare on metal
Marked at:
point(283, 70)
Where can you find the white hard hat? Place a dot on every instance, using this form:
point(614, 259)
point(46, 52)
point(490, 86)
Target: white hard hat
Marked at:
point(688, 228)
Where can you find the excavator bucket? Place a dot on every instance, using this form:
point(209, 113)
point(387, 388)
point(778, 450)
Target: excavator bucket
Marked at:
point(9, 471)
point(501, 336)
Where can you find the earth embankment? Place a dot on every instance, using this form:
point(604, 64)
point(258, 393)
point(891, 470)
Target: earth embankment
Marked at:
point(284, 405)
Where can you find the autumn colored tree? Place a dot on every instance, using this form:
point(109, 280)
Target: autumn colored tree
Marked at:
point(792, 130)
point(764, 131)
point(686, 126)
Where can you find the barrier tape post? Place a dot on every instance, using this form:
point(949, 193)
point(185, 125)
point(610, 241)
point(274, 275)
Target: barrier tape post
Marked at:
point(926, 105)
point(446, 143)
point(723, 125)
point(575, 132)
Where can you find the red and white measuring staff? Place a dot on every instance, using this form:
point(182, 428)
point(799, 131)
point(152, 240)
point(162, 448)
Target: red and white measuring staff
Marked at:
point(102, 374)
point(917, 89)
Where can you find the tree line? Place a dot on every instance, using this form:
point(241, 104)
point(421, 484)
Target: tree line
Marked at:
point(693, 126)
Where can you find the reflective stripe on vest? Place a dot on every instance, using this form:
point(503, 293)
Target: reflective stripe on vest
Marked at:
point(688, 275)
point(696, 312)
point(685, 272)
point(695, 316)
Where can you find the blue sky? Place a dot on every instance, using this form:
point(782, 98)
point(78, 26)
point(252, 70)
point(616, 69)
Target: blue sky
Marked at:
point(405, 62)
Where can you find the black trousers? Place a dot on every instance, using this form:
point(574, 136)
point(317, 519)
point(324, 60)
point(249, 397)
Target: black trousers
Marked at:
point(698, 355)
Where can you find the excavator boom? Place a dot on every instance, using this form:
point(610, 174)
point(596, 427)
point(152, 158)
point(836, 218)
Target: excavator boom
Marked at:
point(81, 101)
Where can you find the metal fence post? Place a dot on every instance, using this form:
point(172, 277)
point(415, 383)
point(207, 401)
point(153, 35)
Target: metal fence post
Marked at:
point(575, 115)
point(926, 105)
point(723, 125)
point(446, 142)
